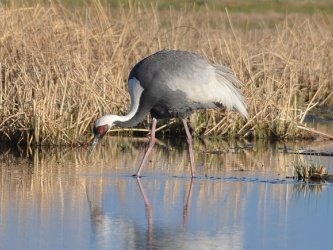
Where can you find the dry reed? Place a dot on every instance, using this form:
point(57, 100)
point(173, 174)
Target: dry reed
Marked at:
point(62, 68)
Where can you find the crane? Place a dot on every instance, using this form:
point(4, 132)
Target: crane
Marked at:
point(174, 83)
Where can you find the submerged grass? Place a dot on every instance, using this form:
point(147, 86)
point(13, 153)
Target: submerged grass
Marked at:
point(61, 68)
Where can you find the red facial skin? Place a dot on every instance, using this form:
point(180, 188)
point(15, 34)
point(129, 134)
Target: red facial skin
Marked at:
point(101, 130)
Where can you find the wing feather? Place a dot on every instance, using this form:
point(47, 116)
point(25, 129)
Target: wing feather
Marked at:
point(201, 81)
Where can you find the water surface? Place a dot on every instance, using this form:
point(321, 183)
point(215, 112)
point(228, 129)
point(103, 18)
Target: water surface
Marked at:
point(241, 198)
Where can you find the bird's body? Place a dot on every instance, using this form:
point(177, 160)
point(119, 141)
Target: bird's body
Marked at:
point(173, 83)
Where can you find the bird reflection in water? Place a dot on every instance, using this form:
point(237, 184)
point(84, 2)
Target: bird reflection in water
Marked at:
point(106, 228)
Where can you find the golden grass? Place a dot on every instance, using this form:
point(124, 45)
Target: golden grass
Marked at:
point(62, 68)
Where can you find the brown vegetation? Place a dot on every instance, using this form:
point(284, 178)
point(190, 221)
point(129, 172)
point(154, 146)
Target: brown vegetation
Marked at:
point(62, 68)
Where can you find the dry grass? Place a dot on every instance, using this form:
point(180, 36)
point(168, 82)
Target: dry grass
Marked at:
point(313, 172)
point(62, 68)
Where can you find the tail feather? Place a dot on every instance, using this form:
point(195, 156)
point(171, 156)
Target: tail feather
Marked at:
point(233, 98)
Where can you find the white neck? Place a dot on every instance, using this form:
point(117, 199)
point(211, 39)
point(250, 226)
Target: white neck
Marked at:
point(135, 90)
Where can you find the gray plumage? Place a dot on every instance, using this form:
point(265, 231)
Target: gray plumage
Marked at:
point(176, 83)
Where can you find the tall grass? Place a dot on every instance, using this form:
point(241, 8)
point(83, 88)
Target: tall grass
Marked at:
point(62, 68)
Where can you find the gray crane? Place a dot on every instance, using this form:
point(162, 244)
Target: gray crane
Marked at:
point(174, 83)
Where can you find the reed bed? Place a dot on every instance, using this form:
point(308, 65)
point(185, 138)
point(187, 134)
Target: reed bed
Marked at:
point(61, 68)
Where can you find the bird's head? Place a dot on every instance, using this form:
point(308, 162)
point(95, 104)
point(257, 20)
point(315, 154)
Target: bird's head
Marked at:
point(101, 127)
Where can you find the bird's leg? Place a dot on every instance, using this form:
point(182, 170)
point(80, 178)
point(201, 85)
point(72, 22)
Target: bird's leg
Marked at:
point(150, 147)
point(190, 150)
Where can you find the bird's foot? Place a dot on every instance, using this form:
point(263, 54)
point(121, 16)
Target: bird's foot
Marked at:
point(136, 175)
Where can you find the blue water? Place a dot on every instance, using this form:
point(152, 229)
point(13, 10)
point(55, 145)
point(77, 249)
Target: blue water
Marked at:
point(61, 200)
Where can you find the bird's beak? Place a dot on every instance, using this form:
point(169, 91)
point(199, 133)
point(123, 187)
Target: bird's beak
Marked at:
point(94, 143)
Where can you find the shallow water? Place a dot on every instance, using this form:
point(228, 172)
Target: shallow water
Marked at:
point(241, 198)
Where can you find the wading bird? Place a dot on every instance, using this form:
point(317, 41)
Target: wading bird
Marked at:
point(173, 83)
